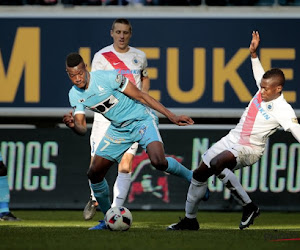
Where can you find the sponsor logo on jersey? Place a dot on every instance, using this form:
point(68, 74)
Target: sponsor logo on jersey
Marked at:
point(81, 100)
point(270, 106)
point(257, 103)
point(105, 105)
point(100, 88)
point(128, 71)
point(135, 61)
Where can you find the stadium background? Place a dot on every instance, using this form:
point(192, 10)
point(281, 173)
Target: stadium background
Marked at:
point(198, 64)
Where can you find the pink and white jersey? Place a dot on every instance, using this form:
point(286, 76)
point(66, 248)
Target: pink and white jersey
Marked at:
point(130, 64)
point(261, 119)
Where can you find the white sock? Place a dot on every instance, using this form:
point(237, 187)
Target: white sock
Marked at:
point(121, 188)
point(92, 192)
point(230, 180)
point(196, 192)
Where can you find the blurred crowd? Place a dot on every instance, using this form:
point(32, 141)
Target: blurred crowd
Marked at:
point(155, 2)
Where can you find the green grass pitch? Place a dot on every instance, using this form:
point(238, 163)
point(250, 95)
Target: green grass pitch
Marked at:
point(218, 230)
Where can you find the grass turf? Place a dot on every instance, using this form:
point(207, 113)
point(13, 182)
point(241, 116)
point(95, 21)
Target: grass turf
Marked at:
point(67, 230)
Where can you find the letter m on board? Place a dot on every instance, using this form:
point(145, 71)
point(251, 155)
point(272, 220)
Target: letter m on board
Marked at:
point(25, 58)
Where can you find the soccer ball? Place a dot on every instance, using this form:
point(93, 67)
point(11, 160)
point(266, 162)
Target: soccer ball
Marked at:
point(118, 219)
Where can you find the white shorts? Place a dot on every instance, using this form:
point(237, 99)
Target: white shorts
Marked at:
point(245, 155)
point(99, 129)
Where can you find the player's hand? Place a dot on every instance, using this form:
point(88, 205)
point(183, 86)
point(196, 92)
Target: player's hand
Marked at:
point(182, 120)
point(254, 43)
point(68, 119)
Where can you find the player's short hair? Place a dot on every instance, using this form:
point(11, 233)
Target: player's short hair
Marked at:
point(123, 21)
point(276, 73)
point(73, 59)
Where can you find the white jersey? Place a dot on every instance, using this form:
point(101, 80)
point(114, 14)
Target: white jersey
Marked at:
point(130, 64)
point(261, 119)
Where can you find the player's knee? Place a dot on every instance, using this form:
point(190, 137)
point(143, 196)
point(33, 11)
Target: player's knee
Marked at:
point(124, 168)
point(216, 166)
point(198, 176)
point(202, 173)
point(94, 176)
point(160, 163)
point(3, 169)
point(89, 173)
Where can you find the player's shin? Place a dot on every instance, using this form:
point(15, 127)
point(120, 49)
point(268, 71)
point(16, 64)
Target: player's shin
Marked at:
point(121, 188)
point(4, 194)
point(101, 192)
point(92, 192)
point(175, 168)
point(230, 180)
point(196, 192)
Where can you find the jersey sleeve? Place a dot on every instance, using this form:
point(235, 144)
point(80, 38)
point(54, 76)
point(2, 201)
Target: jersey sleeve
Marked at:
point(118, 81)
point(145, 62)
point(258, 70)
point(75, 104)
point(295, 130)
point(144, 71)
point(286, 117)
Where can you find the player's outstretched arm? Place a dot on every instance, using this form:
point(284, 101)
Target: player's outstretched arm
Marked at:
point(145, 84)
point(77, 123)
point(133, 92)
point(254, 44)
point(258, 70)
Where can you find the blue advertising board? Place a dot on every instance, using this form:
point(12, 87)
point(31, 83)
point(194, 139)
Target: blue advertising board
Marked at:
point(194, 63)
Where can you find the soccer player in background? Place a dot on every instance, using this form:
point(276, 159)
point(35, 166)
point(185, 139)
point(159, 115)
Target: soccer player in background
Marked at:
point(132, 120)
point(5, 214)
point(131, 63)
point(244, 145)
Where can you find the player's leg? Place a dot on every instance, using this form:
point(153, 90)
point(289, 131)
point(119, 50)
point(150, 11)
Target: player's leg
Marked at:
point(244, 156)
point(99, 128)
point(96, 175)
point(197, 189)
point(222, 166)
point(250, 210)
point(123, 180)
point(158, 160)
point(91, 206)
point(146, 132)
point(5, 214)
point(153, 143)
point(196, 193)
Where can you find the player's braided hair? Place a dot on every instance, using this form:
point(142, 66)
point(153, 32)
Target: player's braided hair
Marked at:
point(73, 59)
point(276, 73)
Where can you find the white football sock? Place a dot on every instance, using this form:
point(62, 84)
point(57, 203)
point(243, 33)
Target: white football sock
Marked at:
point(196, 192)
point(230, 180)
point(121, 188)
point(92, 192)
